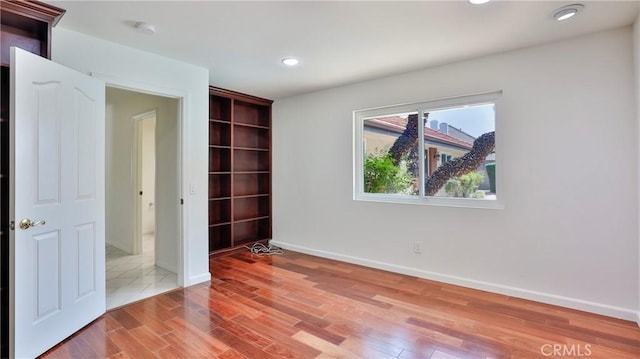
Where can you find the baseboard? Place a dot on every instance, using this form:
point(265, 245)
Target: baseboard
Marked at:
point(574, 303)
point(200, 278)
point(120, 247)
point(170, 268)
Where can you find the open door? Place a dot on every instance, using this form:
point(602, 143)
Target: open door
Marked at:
point(57, 279)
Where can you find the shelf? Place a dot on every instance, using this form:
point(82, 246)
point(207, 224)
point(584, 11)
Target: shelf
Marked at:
point(252, 126)
point(251, 230)
point(251, 184)
point(219, 237)
point(220, 108)
point(26, 40)
point(219, 224)
point(250, 114)
point(239, 169)
point(219, 133)
point(253, 196)
point(251, 149)
point(251, 219)
point(251, 207)
point(219, 159)
point(219, 212)
point(251, 161)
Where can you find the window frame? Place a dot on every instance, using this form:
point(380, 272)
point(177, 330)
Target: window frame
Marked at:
point(359, 117)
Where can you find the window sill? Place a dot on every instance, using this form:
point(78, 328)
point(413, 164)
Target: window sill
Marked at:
point(432, 201)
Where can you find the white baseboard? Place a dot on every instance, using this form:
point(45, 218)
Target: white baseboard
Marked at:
point(574, 303)
point(170, 267)
point(200, 278)
point(121, 247)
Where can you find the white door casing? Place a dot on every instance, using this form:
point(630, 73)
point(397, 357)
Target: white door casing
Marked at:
point(57, 134)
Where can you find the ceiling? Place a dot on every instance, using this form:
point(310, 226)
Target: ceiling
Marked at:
point(338, 42)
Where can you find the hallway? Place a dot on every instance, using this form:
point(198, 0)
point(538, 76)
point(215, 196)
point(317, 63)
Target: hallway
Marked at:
point(134, 277)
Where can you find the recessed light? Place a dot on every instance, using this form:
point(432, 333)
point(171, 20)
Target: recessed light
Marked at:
point(567, 12)
point(478, 2)
point(145, 28)
point(290, 61)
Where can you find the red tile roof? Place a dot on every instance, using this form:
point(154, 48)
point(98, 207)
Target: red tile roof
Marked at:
point(398, 124)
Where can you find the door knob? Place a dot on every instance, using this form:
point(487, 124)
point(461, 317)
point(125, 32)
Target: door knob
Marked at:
point(27, 223)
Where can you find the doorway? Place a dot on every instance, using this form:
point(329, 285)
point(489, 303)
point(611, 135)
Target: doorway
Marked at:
point(142, 190)
point(145, 179)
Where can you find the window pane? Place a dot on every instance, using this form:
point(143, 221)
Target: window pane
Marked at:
point(391, 154)
point(449, 136)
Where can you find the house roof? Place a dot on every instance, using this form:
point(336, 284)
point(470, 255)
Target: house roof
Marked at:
point(397, 124)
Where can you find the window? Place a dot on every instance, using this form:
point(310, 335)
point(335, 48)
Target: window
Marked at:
point(435, 152)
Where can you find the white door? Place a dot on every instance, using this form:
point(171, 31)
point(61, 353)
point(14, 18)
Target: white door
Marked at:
point(57, 155)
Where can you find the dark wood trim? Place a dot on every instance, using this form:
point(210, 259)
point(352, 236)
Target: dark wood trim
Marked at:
point(34, 9)
point(239, 96)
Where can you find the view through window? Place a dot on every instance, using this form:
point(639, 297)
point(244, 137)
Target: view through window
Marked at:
point(453, 147)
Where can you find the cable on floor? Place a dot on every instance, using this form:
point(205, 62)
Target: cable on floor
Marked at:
point(262, 250)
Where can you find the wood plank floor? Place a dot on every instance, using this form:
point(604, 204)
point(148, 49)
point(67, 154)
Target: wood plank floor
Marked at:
point(299, 306)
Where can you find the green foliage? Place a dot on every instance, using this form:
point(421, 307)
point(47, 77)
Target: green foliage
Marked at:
point(382, 176)
point(491, 171)
point(465, 185)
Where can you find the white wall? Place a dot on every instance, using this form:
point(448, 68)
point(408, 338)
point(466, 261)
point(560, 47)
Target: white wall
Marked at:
point(636, 47)
point(148, 170)
point(121, 186)
point(167, 184)
point(567, 137)
point(92, 55)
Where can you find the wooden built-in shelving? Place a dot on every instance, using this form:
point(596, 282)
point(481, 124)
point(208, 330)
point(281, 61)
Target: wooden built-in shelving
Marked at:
point(239, 169)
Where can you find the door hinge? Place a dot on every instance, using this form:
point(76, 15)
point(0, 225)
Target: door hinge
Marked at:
point(141, 193)
point(12, 225)
point(181, 201)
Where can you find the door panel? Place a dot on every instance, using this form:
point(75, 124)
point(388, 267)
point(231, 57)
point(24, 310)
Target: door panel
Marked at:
point(85, 139)
point(47, 122)
point(47, 274)
point(57, 278)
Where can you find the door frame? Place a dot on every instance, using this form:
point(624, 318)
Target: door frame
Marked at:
point(183, 98)
point(137, 180)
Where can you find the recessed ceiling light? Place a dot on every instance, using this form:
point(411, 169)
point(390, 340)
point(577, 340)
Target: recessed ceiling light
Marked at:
point(567, 12)
point(478, 2)
point(290, 61)
point(145, 28)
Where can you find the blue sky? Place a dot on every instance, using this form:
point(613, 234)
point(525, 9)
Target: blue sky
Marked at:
point(474, 120)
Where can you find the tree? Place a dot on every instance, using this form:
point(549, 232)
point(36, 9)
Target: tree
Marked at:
point(408, 141)
point(482, 147)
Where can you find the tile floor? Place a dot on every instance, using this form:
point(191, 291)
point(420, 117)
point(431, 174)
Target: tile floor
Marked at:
point(134, 277)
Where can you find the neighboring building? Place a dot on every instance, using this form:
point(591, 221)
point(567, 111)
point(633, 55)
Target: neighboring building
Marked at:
point(381, 133)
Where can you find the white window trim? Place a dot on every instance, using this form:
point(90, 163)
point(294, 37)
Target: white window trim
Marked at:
point(420, 107)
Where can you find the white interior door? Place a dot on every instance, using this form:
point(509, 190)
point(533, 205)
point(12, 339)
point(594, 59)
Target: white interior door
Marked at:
point(57, 155)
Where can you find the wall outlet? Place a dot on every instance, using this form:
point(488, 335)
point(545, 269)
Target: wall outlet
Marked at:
point(417, 247)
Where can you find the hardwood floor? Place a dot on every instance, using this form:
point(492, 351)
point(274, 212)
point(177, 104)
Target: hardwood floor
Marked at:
point(299, 306)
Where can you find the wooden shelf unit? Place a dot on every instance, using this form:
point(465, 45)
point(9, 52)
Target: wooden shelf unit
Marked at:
point(27, 25)
point(239, 169)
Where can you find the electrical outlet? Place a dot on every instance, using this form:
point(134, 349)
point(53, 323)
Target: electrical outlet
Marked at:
point(417, 247)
